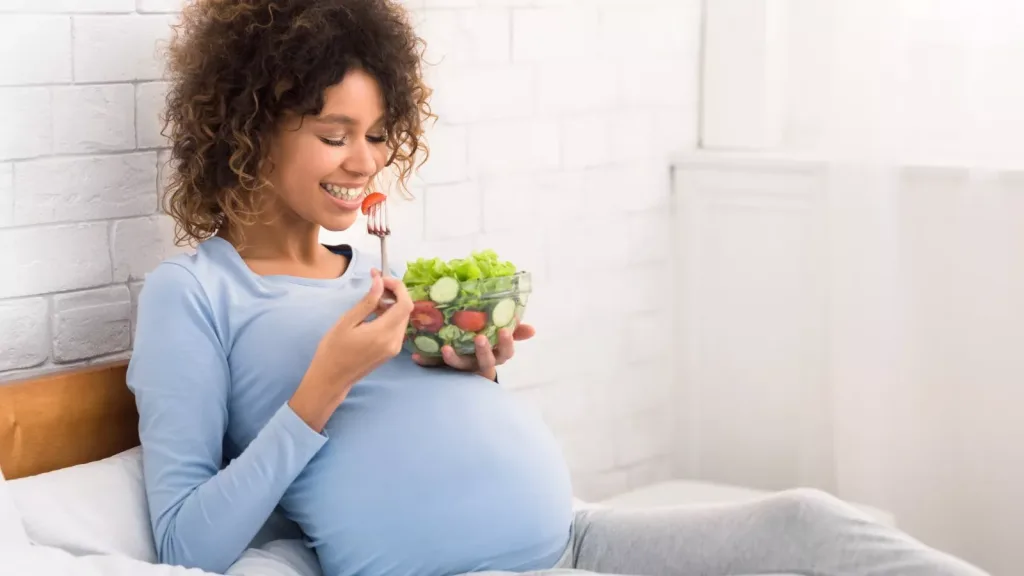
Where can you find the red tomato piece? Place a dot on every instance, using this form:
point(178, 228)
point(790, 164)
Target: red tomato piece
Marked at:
point(371, 199)
point(470, 320)
point(426, 317)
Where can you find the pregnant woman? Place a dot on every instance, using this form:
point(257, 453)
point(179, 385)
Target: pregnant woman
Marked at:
point(267, 377)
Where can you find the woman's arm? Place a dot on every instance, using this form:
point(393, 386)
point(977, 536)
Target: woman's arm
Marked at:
point(202, 516)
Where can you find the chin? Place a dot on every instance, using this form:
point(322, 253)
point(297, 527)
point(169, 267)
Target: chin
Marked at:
point(338, 224)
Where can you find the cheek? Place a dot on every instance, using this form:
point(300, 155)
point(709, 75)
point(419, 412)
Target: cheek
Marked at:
point(308, 164)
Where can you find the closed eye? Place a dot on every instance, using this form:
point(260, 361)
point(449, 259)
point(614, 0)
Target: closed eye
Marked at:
point(333, 141)
point(377, 139)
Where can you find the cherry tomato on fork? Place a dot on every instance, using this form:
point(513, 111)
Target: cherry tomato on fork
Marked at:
point(372, 199)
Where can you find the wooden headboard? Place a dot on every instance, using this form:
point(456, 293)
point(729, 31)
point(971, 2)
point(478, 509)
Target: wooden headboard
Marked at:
point(66, 418)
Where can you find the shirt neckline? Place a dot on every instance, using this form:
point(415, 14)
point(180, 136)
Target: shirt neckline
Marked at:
point(351, 272)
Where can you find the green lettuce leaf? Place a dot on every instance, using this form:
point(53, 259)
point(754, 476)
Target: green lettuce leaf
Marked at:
point(424, 271)
point(481, 265)
point(419, 292)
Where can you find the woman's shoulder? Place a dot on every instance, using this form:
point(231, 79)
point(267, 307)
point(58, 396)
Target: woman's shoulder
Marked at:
point(173, 284)
point(186, 292)
point(194, 273)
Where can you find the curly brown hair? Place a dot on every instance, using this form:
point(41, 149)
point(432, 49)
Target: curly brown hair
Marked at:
point(237, 67)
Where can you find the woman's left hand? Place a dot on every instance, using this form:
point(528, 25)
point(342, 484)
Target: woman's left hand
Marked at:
point(487, 359)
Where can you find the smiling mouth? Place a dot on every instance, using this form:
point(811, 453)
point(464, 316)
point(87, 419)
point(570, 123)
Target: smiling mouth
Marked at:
point(341, 192)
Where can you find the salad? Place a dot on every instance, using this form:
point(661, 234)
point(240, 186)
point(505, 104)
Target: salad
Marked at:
point(457, 300)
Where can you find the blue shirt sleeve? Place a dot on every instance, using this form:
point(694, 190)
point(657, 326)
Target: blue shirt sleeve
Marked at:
point(202, 516)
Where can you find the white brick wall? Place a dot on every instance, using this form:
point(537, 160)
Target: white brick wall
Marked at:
point(26, 117)
point(91, 323)
point(99, 118)
point(80, 92)
point(6, 195)
point(35, 49)
point(570, 106)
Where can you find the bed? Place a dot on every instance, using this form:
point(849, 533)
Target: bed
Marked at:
point(71, 471)
point(74, 503)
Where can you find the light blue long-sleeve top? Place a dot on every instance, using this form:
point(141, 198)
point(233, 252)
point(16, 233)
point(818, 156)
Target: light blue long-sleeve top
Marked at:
point(420, 471)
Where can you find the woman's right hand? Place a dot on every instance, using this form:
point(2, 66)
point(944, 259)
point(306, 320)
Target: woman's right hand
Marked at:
point(351, 349)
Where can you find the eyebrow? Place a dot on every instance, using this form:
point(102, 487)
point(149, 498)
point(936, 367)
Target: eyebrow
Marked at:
point(343, 119)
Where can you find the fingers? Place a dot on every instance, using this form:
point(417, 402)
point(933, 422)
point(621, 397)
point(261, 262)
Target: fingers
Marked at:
point(397, 313)
point(367, 305)
point(398, 288)
point(506, 347)
point(386, 300)
point(455, 361)
point(485, 358)
point(523, 332)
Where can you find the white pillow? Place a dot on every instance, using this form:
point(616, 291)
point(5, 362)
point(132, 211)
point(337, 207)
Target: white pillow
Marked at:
point(95, 508)
point(12, 532)
point(100, 508)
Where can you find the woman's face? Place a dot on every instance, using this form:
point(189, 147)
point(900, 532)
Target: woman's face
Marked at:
point(322, 165)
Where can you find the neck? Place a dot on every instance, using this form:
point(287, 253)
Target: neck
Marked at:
point(281, 237)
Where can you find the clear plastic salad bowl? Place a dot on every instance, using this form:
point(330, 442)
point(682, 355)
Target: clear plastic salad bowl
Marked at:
point(457, 300)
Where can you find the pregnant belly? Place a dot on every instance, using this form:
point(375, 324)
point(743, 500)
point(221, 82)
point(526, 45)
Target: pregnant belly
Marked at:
point(438, 474)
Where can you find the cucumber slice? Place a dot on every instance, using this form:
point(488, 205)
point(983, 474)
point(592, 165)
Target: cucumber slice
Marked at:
point(504, 312)
point(426, 344)
point(444, 290)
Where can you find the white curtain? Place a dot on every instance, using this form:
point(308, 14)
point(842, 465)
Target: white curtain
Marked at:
point(927, 353)
point(859, 328)
point(920, 81)
point(853, 300)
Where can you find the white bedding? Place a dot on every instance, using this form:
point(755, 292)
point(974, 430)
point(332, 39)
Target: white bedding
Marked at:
point(278, 558)
point(50, 561)
point(93, 519)
point(94, 508)
point(12, 532)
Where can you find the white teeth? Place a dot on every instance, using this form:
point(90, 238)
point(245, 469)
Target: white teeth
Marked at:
point(343, 193)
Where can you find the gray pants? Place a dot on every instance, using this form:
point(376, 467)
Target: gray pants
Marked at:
point(798, 532)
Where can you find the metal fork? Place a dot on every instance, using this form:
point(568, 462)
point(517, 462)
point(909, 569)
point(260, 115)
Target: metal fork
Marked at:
point(377, 225)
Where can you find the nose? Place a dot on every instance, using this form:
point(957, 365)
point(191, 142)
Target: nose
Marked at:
point(359, 159)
